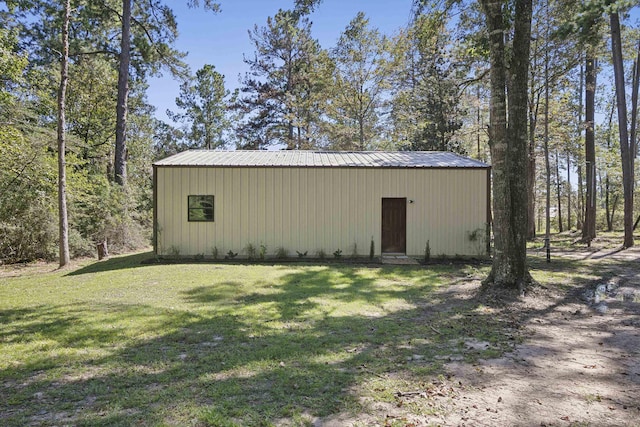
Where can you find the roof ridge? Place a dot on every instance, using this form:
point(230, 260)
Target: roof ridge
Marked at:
point(320, 158)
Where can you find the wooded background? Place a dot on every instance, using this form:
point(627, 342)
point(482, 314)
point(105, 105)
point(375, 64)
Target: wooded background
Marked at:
point(426, 87)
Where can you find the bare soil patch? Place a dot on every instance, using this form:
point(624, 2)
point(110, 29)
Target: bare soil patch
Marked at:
point(576, 363)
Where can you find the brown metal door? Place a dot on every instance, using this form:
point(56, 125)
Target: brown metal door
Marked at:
point(394, 225)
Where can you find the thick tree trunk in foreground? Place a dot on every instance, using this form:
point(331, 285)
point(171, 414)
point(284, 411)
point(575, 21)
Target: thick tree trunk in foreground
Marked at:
point(509, 144)
point(626, 155)
point(120, 161)
point(62, 176)
point(589, 225)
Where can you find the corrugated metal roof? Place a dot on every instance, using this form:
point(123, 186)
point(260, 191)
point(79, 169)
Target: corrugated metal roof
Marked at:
point(299, 158)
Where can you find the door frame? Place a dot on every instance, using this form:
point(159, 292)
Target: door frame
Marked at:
point(382, 224)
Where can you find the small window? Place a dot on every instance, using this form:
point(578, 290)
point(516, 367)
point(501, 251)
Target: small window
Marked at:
point(200, 208)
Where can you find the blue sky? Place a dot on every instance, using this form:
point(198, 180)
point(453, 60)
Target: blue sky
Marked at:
point(222, 39)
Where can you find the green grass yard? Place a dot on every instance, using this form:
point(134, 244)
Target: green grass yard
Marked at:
point(123, 343)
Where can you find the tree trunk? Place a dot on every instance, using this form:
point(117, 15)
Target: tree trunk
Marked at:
point(103, 252)
point(120, 161)
point(580, 201)
point(534, 102)
point(625, 154)
point(361, 133)
point(568, 191)
point(607, 181)
point(478, 123)
point(62, 176)
point(580, 198)
point(635, 86)
point(559, 193)
point(531, 192)
point(589, 226)
point(607, 206)
point(547, 162)
point(509, 144)
point(517, 134)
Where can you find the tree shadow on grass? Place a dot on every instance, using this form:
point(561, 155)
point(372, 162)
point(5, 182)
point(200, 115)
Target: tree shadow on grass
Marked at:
point(212, 361)
point(142, 259)
point(572, 334)
point(318, 342)
point(122, 262)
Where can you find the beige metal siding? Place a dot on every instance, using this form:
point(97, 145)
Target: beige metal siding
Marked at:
point(307, 209)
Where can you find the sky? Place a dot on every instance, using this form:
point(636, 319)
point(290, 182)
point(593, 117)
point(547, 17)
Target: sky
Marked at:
point(222, 39)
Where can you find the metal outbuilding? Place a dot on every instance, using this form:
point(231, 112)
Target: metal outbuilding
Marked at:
point(317, 201)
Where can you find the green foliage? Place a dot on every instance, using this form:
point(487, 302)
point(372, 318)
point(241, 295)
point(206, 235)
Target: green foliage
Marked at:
point(210, 5)
point(475, 235)
point(214, 252)
point(202, 100)
point(12, 65)
point(28, 172)
point(372, 249)
point(283, 92)
point(427, 252)
point(28, 224)
point(30, 236)
point(427, 110)
point(282, 253)
point(321, 254)
point(79, 246)
point(174, 251)
point(354, 250)
point(360, 84)
point(101, 210)
point(478, 238)
point(301, 254)
point(230, 255)
point(337, 254)
point(216, 417)
point(251, 251)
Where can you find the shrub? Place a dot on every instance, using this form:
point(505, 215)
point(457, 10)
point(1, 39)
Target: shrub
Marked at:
point(27, 234)
point(251, 251)
point(427, 252)
point(80, 246)
point(282, 253)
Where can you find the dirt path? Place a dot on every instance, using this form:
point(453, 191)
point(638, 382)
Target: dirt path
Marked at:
point(579, 364)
